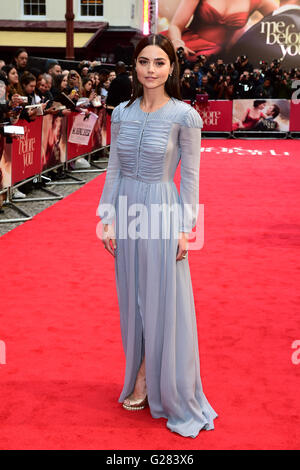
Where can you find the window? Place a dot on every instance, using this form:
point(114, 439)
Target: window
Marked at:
point(34, 7)
point(91, 7)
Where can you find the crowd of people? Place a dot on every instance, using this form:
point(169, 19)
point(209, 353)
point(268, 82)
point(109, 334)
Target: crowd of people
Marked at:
point(27, 92)
point(59, 91)
point(238, 80)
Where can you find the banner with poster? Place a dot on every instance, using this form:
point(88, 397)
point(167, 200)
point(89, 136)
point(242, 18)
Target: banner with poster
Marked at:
point(82, 128)
point(5, 164)
point(261, 115)
point(97, 137)
point(54, 141)
point(294, 116)
point(266, 30)
point(216, 115)
point(26, 151)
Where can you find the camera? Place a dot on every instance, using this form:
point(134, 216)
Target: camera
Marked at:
point(24, 99)
point(180, 53)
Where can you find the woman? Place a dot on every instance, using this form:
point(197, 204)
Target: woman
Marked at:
point(60, 83)
point(87, 89)
point(74, 84)
point(14, 86)
point(214, 23)
point(251, 116)
point(154, 287)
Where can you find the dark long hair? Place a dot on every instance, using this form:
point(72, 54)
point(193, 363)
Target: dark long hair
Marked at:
point(172, 85)
point(11, 90)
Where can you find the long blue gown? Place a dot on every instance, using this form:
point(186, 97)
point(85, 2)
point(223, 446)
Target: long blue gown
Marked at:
point(155, 296)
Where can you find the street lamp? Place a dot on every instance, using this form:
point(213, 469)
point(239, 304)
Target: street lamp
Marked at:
point(70, 30)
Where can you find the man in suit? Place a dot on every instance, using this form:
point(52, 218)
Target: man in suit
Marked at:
point(255, 41)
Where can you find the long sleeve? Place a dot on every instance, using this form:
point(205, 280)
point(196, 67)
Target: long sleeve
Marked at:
point(106, 207)
point(190, 148)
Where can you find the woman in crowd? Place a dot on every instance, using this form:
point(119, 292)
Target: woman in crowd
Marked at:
point(87, 89)
point(13, 86)
point(60, 84)
point(74, 84)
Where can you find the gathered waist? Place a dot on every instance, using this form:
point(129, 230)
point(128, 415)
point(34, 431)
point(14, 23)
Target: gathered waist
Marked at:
point(142, 180)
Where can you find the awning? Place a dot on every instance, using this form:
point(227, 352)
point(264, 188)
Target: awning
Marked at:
point(42, 39)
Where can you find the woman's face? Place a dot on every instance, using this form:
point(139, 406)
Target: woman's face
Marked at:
point(29, 89)
point(64, 83)
point(92, 77)
point(261, 106)
point(74, 78)
point(97, 79)
point(42, 86)
point(88, 85)
point(111, 76)
point(13, 77)
point(153, 67)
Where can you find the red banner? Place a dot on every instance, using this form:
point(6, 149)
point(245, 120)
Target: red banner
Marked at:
point(26, 151)
point(97, 139)
point(216, 115)
point(294, 116)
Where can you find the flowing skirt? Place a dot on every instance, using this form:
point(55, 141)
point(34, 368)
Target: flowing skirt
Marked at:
point(157, 312)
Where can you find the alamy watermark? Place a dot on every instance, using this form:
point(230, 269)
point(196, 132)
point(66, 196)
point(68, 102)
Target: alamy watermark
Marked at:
point(2, 352)
point(296, 354)
point(296, 94)
point(154, 221)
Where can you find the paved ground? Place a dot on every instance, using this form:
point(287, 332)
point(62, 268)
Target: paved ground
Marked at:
point(34, 207)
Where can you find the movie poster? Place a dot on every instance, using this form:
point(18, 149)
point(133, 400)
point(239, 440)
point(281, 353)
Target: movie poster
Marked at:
point(261, 115)
point(263, 31)
point(5, 163)
point(54, 140)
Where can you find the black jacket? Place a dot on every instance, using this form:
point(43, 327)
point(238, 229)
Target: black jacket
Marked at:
point(119, 90)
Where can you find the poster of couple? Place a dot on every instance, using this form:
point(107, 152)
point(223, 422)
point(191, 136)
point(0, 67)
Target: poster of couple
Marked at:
point(260, 29)
point(261, 115)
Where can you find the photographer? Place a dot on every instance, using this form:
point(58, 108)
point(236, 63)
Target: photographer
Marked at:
point(224, 88)
point(206, 87)
point(242, 65)
point(258, 80)
point(182, 61)
point(188, 85)
point(268, 89)
point(244, 87)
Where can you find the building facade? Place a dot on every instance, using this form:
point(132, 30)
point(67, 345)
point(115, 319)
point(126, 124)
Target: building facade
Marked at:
point(100, 27)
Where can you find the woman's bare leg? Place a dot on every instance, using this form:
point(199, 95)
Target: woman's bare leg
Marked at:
point(140, 390)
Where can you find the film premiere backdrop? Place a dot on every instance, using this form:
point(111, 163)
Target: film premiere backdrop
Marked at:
point(261, 38)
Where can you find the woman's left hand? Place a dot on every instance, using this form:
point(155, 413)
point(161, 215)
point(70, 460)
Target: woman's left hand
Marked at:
point(183, 245)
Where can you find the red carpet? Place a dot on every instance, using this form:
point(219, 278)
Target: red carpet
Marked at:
point(60, 323)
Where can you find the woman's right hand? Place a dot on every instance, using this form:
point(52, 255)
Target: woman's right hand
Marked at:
point(109, 238)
